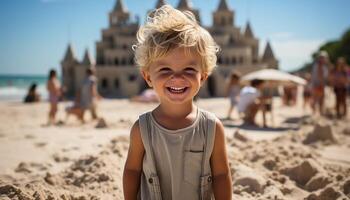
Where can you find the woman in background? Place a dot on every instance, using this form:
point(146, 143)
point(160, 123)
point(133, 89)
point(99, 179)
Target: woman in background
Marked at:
point(32, 95)
point(54, 89)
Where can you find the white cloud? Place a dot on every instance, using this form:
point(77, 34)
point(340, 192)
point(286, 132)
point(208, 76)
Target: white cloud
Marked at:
point(292, 52)
point(295, 53)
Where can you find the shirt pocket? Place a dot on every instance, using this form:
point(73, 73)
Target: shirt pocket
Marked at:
point(192, 167)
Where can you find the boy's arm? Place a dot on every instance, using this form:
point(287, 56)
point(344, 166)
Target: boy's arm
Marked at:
point(222, 184)
point(133, 164)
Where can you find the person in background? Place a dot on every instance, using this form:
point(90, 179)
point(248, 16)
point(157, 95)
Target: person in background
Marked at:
point(307, 92)
point(32, 95)
point(251, 101)
point(89, 94)
point(339, 80)
point(232, 91)
point(319, 79)
point(54, 88)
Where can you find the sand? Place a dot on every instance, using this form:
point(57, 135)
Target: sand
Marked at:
point(298, 157)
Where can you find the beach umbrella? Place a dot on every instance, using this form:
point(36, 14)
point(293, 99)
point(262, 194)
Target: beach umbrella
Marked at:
point(273, 76)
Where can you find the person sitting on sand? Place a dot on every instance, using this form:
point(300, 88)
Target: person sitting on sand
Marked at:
point(177, 151)
point(32, 95)
point(251, 101)
point(54, 88)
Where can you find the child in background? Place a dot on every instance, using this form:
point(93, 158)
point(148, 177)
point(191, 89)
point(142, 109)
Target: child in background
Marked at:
point(232, 92)
point(177, 151)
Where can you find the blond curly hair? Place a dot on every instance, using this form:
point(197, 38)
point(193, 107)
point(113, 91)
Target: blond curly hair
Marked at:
point(168, 28)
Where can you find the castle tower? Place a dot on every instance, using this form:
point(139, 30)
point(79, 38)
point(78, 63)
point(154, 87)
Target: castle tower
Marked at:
point(223, 16)
point(160, 3)
point(68, 73)
point(88, 60)
point(119, 15)
point(252, 42)
point(186, 5)
point(248, 33)
point(269, 57)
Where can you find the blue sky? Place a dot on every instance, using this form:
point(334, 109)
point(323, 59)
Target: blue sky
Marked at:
point(34, 33)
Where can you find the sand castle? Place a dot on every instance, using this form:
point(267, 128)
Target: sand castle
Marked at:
point(119, 77)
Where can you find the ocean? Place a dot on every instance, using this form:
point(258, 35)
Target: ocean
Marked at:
point(15, 87)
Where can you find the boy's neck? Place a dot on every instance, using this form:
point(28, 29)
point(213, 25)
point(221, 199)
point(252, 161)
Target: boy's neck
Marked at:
point(176, 111)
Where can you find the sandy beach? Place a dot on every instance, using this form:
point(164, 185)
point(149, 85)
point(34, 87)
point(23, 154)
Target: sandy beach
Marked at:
point(299, 157)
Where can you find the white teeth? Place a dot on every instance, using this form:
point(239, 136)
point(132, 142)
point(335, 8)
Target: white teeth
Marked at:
point(175, 88)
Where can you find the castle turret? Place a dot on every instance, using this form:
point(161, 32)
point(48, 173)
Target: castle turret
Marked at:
point(186, 5)
point(68, 72)
point(119, 15)
point(160, 3)
point(223, 16)
point(248, 33)
point(268, 57)
point(69, 56)
point(252, 42)
point(88, 60)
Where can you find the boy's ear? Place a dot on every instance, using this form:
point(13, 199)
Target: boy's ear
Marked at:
point(204, 77)
point(147, 77)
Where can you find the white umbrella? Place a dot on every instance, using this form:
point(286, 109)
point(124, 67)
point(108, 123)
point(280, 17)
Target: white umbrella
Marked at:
point(274, 76)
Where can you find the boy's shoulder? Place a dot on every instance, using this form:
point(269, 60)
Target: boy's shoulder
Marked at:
point(208, 115)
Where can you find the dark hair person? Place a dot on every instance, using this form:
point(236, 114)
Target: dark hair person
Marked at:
point(54, 89)
point(32, 96)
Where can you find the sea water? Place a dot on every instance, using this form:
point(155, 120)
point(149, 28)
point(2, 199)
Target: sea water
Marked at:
point(15, 87)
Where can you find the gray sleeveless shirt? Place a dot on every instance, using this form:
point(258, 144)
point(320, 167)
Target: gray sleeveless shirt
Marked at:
point(176, 164)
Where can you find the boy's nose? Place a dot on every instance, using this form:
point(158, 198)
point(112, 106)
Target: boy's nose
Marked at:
point(177, 78)
point(177, 75)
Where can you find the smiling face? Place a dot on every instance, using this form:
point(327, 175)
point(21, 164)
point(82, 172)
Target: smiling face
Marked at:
point(176, 77)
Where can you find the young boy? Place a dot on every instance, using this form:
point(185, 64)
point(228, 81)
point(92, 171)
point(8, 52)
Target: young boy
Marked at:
point(177, 151)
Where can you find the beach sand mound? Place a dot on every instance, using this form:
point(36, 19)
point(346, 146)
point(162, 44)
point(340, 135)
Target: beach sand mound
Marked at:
point(87, 178)
point(321, 132)
point(302, 172)
point(281, 168)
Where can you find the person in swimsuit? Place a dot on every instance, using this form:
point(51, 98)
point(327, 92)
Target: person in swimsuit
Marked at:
point(177, 151)
point(339, 81)
point(54, 89)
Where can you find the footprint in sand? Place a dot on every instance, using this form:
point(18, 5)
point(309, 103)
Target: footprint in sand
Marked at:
point(40, 144)
point(59, 158)
point(29, 136)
